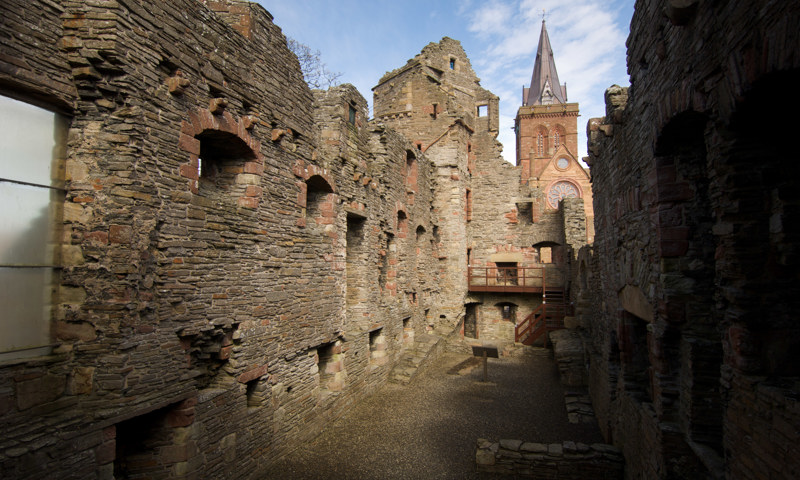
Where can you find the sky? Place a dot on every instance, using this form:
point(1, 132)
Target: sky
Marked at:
point(365, 39)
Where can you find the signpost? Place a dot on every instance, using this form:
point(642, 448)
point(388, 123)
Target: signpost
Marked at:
point(485, 351)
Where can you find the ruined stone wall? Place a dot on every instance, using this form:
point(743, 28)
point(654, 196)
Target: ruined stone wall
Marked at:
point(502, 231)
point(502, 216)
point(691, 365)
point(433, 90)
point(433, 100)
point(484, 215)
point(492, 325)
point(574, 224)
point(219, 297)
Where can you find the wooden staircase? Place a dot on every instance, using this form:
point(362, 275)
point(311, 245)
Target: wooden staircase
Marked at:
point(547, 317)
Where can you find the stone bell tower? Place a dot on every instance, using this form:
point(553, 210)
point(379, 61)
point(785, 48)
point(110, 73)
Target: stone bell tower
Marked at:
point(547, 137)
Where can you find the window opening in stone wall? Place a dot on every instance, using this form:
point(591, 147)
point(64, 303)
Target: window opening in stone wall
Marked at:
point(402, 224)
point(468, 206)
point(545, 254)
point(471, 320)
point(561, 190)
point(763, 211)
point(483, 110)
point(507, 273)
point(408, 332)
point(319, 201)
point(386, 255)
point(636, 361)
point(452, 64)
point(525, 213)
point(470, 159)
point(436, 241)
point(412, 171)
point(419, 250)
point(681, 157)
point(330, 366)
point(32, 191)
point(541, 141)
point(434, 110)
point(351, 114)
point(222, 158)
point(508, 312)
point(556, 139)
point(377, 347)
point(255, 390)
point(357, 278)
point(145, 444)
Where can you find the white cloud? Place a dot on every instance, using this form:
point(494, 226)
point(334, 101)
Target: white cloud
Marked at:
point(490, 19)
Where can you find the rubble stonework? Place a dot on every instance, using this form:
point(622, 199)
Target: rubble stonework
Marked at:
point(240, 258)
point(691, 288)
point(565, 460)
point(234, 260)
point(487, 214)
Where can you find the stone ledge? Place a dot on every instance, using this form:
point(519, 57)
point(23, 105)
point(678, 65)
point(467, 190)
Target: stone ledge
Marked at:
point(566, 460)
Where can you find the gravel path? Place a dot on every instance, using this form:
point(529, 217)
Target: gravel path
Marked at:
point(428, 428)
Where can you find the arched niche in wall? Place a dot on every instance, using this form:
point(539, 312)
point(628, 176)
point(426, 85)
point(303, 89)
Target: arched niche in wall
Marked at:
point(402, 224)
point(320, 207)
point(421, 247)
point(412, 171)
point(758, 232)
point(686, 349)
point(222, 158)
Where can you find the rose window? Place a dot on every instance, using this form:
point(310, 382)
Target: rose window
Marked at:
point(559, 190)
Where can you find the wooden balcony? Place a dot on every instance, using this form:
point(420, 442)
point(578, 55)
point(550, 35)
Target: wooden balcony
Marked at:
point(533, 279)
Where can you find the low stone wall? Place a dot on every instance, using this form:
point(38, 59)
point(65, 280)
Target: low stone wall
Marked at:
point(568, 352)
point(567, 460)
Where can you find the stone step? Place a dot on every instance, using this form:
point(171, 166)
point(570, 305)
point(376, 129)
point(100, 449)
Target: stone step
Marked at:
point(415, 358)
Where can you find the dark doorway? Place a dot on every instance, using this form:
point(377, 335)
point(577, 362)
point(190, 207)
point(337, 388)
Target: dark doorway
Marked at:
point(471, 321)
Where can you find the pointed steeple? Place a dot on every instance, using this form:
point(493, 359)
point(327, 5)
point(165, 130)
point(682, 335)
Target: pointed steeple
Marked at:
point(545, 87)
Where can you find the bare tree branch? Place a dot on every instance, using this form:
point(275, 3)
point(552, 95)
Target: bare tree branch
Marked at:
point(315, 73)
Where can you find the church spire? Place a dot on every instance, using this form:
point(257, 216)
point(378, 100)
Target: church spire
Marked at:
point(545, 87)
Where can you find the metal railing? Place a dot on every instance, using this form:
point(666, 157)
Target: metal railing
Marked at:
point(545, 318)
point(524, 279)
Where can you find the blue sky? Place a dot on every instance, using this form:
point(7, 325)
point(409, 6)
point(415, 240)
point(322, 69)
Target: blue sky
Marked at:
point(365, 39)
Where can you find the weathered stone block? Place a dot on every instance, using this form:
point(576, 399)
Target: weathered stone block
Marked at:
point(40, 390)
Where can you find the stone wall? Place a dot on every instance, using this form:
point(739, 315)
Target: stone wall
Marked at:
point(496, 324)
point(567, 460)
point(693, 346)
point(436, 100)
point(238, 259)
point(432, 101)
point(239, 262)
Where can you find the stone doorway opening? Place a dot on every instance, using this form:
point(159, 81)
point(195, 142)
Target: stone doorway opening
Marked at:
point(471, 320)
